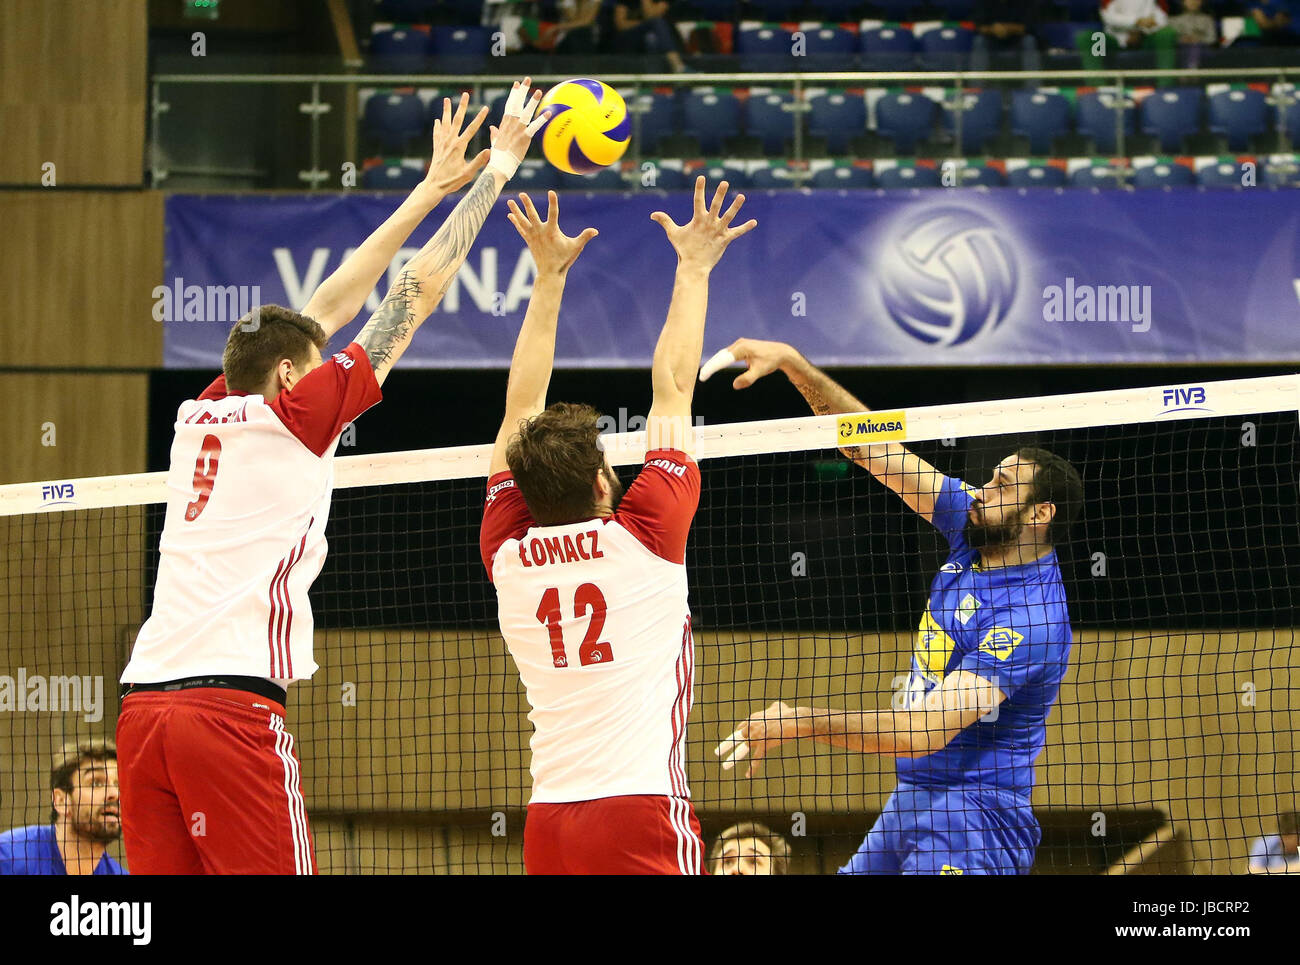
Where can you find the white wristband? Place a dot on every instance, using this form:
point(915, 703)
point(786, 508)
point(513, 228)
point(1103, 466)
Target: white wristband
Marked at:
point(503, 161)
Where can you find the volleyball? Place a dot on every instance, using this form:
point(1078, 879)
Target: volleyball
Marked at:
point(588, 129)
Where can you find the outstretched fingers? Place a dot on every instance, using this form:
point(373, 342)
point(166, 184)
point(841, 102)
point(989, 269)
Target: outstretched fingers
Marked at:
point(533, 217)
point(718, 197)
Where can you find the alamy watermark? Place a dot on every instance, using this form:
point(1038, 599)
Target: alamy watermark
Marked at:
point(37, 693)
point(180, 302)
point(1122, 304)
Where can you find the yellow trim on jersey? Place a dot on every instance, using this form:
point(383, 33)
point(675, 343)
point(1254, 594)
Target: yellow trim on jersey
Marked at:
point(933, 647)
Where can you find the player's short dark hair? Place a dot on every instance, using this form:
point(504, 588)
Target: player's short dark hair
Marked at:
point(72, 758)
point(555, 458)
point(1056, 482)
point(776, 844)
point(264, 336)
point(1288, 823)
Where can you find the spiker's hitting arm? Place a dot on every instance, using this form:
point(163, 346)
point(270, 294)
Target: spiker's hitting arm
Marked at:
point(914, 479)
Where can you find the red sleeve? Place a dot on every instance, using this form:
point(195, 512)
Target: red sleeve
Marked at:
point(217, 390)
point(658, 507)
point(328, 398)
point(505, 516)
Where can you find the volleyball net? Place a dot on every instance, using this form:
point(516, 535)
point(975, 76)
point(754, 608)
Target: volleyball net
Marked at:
point(1171, 746)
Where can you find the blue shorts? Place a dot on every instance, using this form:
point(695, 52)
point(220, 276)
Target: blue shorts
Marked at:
point(933, 831)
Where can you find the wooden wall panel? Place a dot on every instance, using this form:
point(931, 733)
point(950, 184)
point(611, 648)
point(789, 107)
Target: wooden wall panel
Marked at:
point(77, 274)
point(73, 91)
point(99, 424)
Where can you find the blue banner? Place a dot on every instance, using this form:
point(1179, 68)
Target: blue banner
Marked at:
point(940, 277)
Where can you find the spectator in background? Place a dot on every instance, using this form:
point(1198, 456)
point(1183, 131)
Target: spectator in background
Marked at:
point(84, 821)
point(749, 848)
point(1005, 27)
point(576, 33)
point(1195, 29)
point(642, 27)
point(1131, 25)
point(1276, 20)
point(1278, 854)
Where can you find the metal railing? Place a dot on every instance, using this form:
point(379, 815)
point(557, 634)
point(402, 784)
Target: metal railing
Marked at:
point(632, 85)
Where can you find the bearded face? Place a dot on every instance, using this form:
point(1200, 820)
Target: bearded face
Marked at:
point(615, 488)
point(985, 534)
point(93, 808)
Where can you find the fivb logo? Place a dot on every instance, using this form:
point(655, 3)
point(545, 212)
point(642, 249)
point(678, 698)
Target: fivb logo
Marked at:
point(1191, 398)
point(58, 494)
point(947, 276)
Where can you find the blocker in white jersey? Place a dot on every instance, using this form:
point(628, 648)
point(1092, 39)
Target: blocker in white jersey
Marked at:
point(595, 614)
point(244, 537)
point(596, 617)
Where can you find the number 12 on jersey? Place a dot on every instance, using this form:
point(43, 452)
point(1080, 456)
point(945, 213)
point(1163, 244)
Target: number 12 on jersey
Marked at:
point(586, 598)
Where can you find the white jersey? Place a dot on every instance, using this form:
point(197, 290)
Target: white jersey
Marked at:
point(595, 614)
point(244, 537)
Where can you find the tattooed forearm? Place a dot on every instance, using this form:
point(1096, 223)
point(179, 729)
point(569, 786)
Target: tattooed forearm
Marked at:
point(449, 246)
point(394, 321)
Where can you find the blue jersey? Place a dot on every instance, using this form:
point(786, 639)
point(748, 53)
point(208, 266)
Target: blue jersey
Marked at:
point(1008, 625)
point(34, 850)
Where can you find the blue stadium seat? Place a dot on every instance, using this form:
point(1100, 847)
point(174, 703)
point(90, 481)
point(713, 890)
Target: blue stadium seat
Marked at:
point(1079, 11)
point(1098, 176)
point(1057, 35)
point(773, 11)
point(907, 118)
point(1229, 174)
point(1238, 115)
point(671, 179)
point(658, 118)
point(766, 117)
point(734, 176)
point(774, 175)
point(606, 179)
point(844, 176)
point(1042, 176)
point(836, 116)
point(1172, 113)
point(393, 119)
point(535, 177)
point(1039, 116)
point(830, 48)
point(901, 177)
point(887, 48)
point(460, 49)
point(1097, 111)
point(946, 48)
point(763, 48)
point(980, 175)
point(391, 177)
point(1163, 175)
point(711, 117)
point(399, 51)
point(981, 118)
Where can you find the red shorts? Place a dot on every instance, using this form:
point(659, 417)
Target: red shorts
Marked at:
point(209, 785)
point(636, 834)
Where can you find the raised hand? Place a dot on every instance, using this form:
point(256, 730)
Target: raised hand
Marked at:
point(760, 358)
point(553, 250)
point(510, 141)
point(449, 169)
point(760, 734)
point(701, 241)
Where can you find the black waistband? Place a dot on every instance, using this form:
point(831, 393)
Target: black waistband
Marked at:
point(254, 685)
